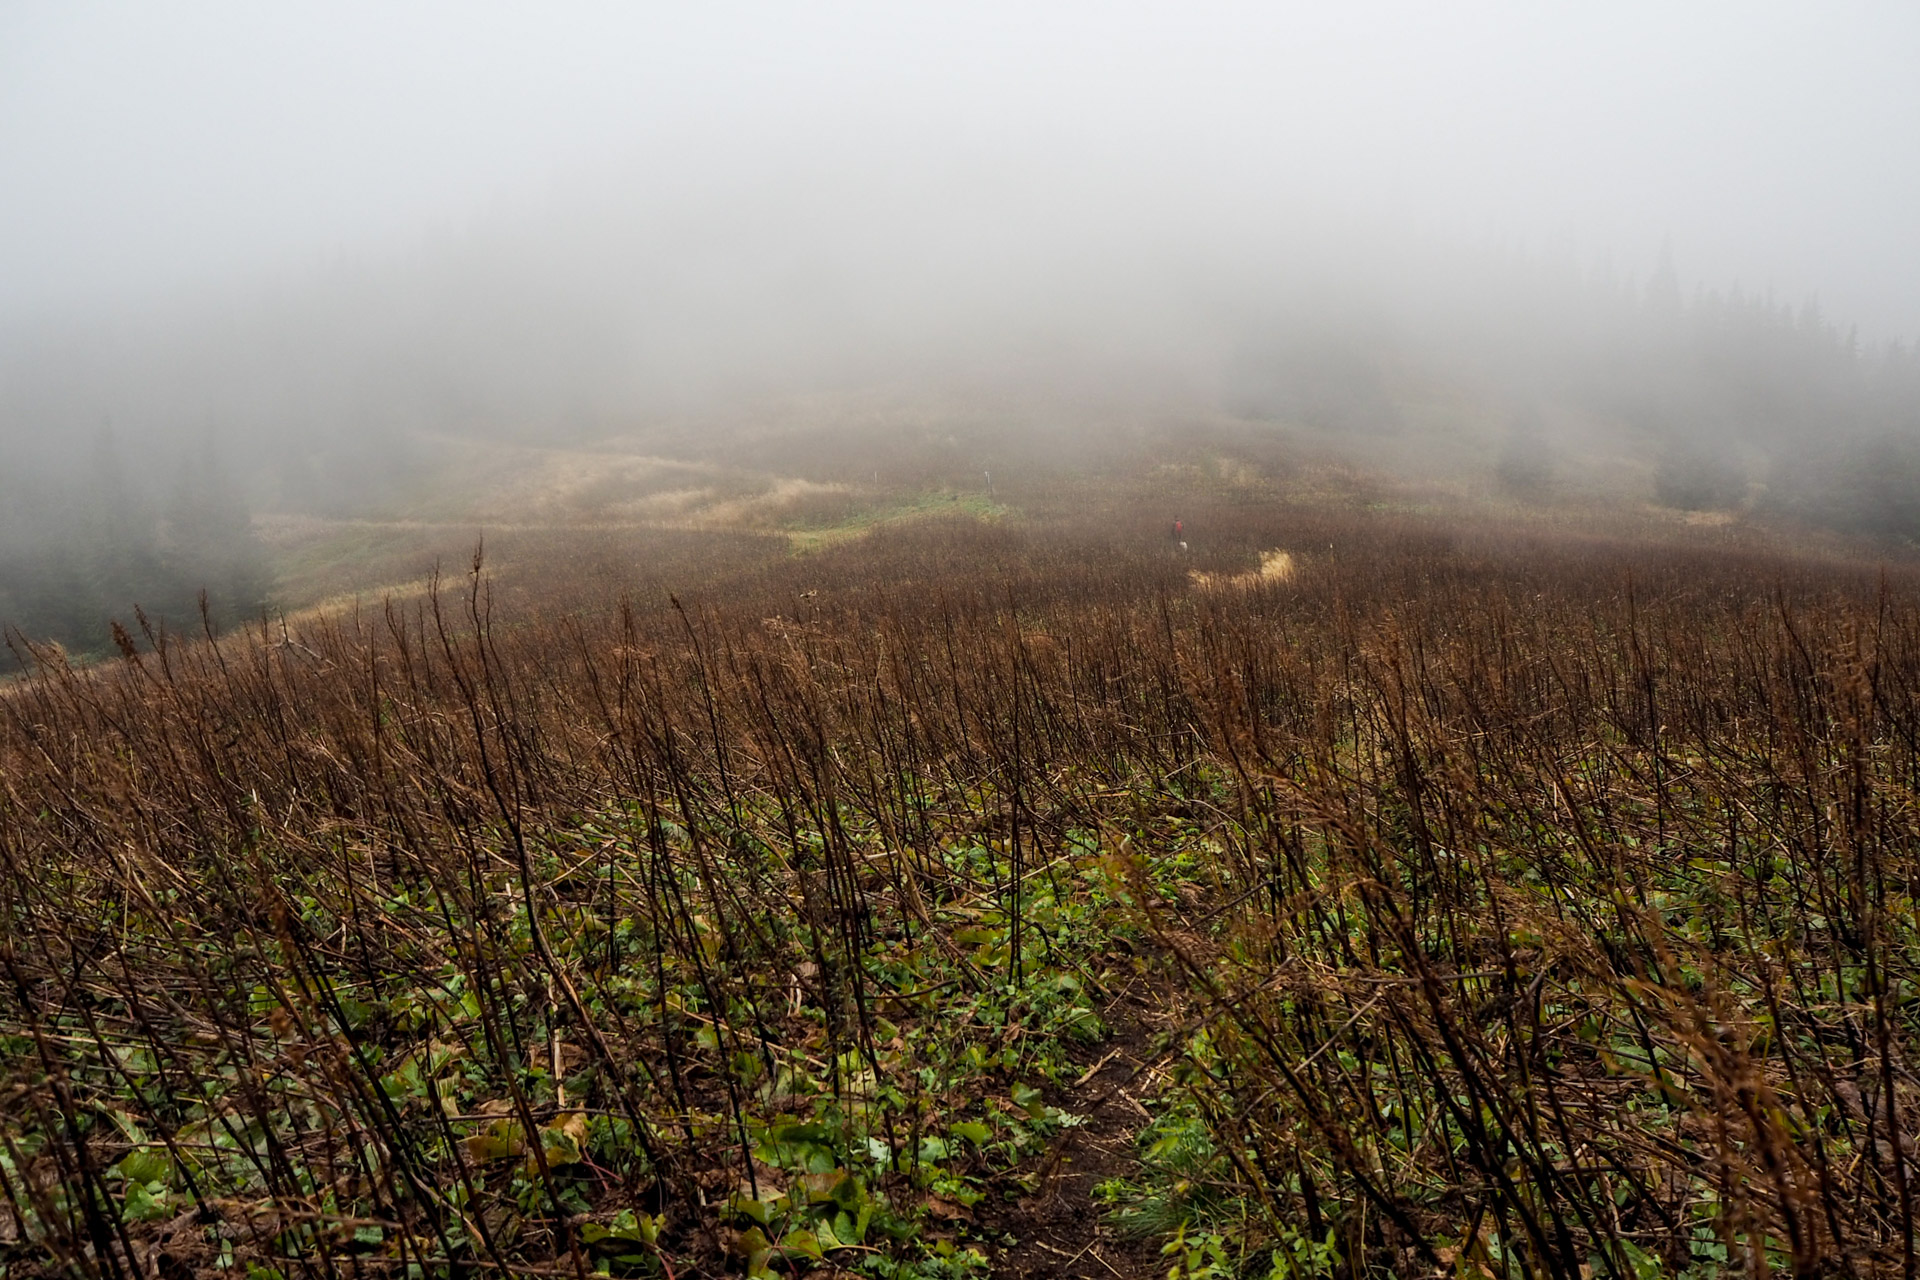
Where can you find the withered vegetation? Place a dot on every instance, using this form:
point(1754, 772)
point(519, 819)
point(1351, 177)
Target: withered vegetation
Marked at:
point(1509, 902)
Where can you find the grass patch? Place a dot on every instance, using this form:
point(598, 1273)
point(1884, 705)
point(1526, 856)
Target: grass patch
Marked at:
point(934, 505)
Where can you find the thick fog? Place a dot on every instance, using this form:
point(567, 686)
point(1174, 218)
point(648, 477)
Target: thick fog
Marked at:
point(249, 252)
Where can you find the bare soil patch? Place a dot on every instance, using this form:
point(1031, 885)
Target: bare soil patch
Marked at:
point(1059, 1228)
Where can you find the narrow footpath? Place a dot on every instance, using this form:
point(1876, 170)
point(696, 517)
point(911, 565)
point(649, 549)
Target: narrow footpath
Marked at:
point(1059, 1228)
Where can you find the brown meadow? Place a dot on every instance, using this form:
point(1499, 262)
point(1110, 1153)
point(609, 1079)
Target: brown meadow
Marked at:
point(1492, 900)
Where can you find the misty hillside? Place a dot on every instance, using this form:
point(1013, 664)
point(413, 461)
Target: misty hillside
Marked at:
point(263, 277)
point(1523, 388)
point(734, 873)
point(987, 641)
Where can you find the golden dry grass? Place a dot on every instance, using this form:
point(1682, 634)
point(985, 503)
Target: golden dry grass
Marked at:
point(1275, 567)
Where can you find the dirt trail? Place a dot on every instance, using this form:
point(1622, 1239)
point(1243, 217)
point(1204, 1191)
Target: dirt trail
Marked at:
point(1060, 1229)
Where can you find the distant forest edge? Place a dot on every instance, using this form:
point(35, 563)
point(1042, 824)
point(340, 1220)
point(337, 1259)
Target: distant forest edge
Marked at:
point(83, 548)
point(1731, 401)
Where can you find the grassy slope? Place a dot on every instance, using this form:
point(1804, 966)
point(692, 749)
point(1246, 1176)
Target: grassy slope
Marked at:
point(1512, 892)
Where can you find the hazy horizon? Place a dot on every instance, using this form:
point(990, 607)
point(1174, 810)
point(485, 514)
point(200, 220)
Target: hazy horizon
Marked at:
point(253, 257)
point(186, 156)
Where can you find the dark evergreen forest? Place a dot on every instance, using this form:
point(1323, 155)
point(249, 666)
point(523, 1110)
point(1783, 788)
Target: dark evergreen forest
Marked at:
point(135, 540)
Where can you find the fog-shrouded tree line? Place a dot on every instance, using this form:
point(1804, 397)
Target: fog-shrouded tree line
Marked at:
point(152, 526)
point(119, 535)
point(127, 478)
point(1757, 402)
point(1736, 399)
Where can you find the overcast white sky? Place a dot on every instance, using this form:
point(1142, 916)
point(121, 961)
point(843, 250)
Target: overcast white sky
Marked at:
point(149, 152)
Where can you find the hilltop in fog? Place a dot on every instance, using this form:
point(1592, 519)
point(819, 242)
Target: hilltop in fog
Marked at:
point(274, 266)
